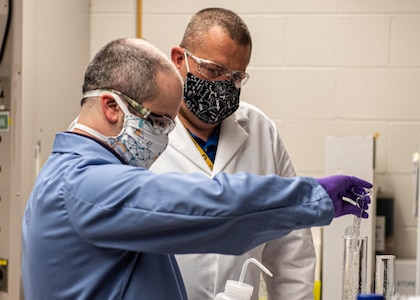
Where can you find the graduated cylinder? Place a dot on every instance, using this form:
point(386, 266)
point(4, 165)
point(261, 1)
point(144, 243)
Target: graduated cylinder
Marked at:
point(354, 266)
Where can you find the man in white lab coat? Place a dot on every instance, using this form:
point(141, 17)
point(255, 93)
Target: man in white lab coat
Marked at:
point(216, 133)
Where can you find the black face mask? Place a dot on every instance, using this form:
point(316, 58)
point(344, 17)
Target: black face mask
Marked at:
point(210, 101)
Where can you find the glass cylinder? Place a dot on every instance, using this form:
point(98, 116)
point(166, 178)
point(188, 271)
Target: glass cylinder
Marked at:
point(385, 276)
point(354, 266)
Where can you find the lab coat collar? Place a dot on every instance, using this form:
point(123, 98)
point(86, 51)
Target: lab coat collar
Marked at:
point(232, 136)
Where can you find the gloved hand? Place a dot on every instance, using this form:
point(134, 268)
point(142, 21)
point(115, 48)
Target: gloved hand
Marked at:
point(339, 186)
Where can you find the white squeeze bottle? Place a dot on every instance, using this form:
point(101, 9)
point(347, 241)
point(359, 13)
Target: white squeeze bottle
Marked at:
point(238, 290)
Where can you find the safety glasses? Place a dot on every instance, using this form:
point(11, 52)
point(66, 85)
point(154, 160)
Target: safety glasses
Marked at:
point(165, 123)
point(213, 71)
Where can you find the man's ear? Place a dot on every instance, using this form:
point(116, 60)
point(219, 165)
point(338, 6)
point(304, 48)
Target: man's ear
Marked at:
point(177, 56)
point(110, 108)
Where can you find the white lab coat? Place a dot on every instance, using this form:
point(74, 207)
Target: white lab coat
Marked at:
point(249, 141)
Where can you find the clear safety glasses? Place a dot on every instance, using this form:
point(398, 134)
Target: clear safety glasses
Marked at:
point(164, 122)
point(213, 71)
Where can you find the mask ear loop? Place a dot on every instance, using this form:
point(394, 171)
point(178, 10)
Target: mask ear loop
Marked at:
point(117, 98)
point(120, 103)
point(98, 93)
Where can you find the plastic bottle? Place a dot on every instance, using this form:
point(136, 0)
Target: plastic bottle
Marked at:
point(238, 290)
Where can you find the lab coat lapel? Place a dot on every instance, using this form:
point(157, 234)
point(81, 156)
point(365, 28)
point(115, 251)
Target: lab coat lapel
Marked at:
point(232, 136)
point(181, 141)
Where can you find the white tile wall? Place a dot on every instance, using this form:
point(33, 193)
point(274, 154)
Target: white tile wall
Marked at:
point(113, 7)
point(334, 67)
point(326, 40)
point(110, 20)
point(405, 42)
point(380, 6)
point(379, 93)
point(402, 144)
point(296, 93)
point(268, 39)
point(164, 39)
point(285, 6)
point(182, 7)
point(305, 141)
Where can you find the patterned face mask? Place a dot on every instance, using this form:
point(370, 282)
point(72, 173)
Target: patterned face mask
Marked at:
point(139, 143)
point(210, 101)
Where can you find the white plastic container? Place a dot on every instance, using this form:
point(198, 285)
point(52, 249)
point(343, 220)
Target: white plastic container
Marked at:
point(238, 290)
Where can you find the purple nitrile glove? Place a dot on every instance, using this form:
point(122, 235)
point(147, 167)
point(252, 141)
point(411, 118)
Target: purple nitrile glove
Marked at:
point(339, 186)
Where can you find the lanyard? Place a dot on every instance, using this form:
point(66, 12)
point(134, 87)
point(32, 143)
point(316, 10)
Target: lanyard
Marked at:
point(203, 154)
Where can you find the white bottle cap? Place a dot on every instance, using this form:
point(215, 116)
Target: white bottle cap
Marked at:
point(238, 290)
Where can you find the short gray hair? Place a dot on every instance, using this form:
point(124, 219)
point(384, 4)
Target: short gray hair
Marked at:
point(205, 19)
point(130, 66)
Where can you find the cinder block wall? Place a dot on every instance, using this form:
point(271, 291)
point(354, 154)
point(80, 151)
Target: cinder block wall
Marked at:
point(329, 67)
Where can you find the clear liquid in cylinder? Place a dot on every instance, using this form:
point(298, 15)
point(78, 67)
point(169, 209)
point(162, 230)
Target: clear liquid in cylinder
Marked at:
point(355, 256)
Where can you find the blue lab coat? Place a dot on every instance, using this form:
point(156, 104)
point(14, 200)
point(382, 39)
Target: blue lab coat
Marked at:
point(95, 228)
